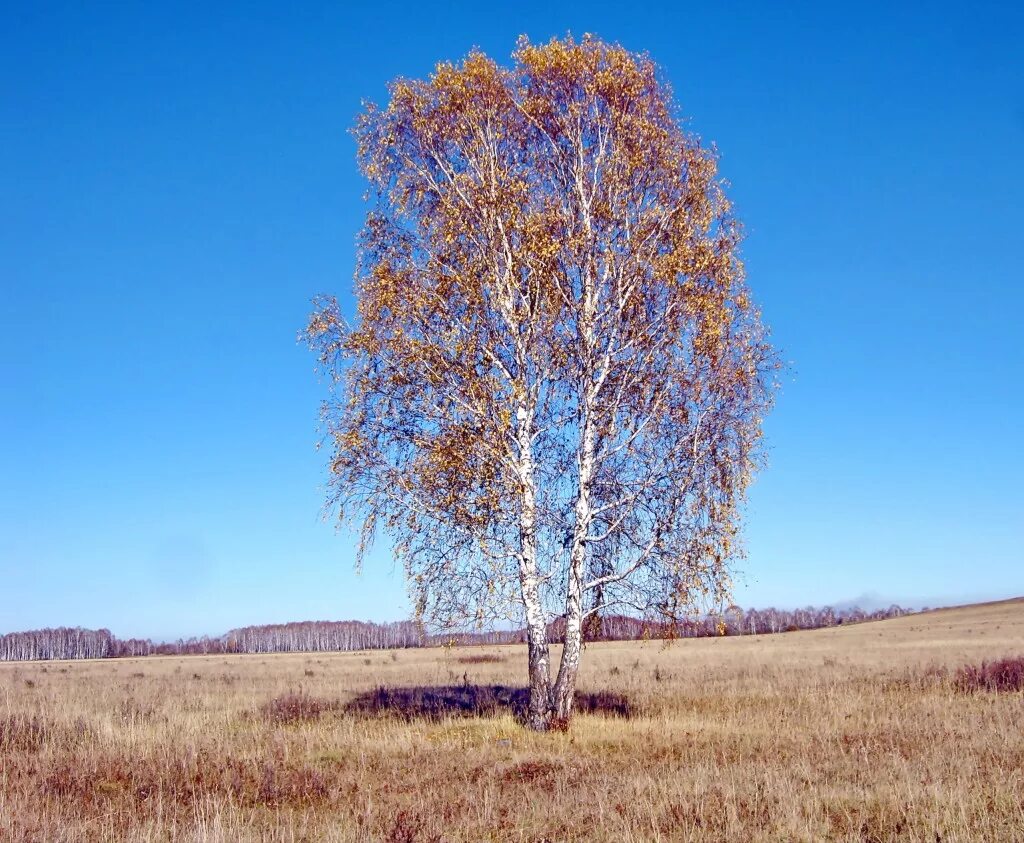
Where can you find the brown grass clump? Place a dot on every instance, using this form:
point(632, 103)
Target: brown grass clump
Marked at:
point(544, 772)
point(481, 658)
point(859, 733)
point(1005, 675)
point(410, 827)
point(21, 733)
point(296, 707)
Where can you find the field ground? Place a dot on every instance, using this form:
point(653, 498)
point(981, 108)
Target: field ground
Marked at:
point(855, 733)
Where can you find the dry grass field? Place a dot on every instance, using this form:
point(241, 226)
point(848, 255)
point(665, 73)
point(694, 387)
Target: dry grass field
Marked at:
point(854, 733)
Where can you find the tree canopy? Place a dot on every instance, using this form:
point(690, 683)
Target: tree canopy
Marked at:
point(552, 394)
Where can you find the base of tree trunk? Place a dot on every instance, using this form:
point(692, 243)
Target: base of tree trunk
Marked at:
point(538, 723)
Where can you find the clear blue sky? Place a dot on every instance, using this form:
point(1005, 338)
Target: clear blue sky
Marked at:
point(178, 181)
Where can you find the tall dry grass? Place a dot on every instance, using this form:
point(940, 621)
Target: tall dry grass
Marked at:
point(862, 733)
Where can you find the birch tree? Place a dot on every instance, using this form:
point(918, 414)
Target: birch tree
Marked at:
point(551, 395)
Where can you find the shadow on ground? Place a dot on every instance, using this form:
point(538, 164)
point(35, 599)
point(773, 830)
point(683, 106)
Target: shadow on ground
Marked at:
point(440, 702)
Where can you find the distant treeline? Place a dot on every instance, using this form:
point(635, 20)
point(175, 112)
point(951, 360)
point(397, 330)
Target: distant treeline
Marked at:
point(66, 643)
point(334, 636)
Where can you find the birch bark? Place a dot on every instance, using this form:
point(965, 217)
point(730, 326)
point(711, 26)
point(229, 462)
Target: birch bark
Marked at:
point(529, 581)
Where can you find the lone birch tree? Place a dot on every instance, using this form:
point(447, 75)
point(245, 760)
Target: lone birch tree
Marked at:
point(551, 396)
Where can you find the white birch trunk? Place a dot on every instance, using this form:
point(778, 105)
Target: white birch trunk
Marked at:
point(565, 686)
point(538, 714)
point(564, 693)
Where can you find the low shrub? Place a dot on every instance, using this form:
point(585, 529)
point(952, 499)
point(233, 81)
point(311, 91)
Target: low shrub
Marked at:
point(1005, 675)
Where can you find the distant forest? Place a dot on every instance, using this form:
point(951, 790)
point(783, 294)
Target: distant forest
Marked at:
point(339, 636)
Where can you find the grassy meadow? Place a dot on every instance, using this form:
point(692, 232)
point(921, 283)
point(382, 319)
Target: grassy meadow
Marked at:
point(856, 733)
